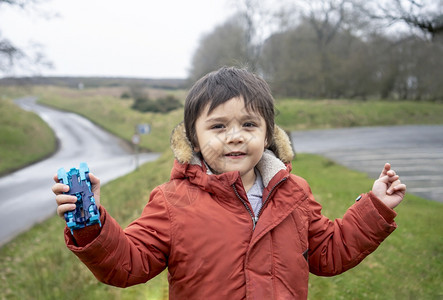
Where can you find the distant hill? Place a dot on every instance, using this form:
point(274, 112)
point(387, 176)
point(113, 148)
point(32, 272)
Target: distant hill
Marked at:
point(75, 82)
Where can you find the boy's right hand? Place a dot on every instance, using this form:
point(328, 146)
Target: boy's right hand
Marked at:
point(66, 203)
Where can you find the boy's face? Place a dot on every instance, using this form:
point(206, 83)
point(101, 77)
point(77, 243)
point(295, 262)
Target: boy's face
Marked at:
point(231, 138)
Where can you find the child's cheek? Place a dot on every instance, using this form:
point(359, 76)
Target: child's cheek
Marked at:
point(210, 151)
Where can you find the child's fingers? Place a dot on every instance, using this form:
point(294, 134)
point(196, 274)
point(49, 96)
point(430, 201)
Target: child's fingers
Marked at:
point(393, 178)
point(95, 187)
point(386, 179)
point(391, 173)
point(395, 186)
point(385, 170)
point(65, 199)
point(94, 179)
point(401, 187)
point(95, 182)
point(65, 203)
point(60, 188)
point(64, 208)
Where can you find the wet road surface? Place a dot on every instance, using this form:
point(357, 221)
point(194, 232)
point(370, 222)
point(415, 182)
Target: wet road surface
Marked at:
point(25, 195)
point(414, 151)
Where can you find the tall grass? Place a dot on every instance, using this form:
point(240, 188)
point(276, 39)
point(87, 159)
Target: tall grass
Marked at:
point(295, 114)
point(105, 108)
point(24, 137)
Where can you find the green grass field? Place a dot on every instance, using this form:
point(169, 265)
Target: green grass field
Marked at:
point(309, 114)
point(105, 108)
point(24, 137)
point(408, 265)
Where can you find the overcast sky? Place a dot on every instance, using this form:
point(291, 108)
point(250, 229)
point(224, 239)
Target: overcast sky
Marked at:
point(135, 38)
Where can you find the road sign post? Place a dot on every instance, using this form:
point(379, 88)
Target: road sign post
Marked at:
point(135, 142)
point(140, 129)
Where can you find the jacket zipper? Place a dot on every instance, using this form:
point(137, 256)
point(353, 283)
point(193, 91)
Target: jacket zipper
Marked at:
point(246, 206)
point(269, 195)
point(255, 218)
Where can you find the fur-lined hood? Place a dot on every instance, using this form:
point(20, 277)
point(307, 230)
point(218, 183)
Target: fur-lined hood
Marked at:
point(274, 159)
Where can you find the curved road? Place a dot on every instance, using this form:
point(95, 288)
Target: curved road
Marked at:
point(25, 195)
point(415, 152)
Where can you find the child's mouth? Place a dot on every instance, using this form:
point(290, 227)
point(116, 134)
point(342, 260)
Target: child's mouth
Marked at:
point(235, 154)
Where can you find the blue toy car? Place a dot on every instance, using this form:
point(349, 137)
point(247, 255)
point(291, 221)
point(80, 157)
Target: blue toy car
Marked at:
point(86, 212)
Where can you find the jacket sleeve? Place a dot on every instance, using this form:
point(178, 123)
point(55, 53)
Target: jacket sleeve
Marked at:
point(337, 246)
point(126, 257)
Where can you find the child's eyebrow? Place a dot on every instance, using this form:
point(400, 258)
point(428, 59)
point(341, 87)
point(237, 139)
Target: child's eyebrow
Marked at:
point(247, 117)
point(254, 117)
point(217, 119)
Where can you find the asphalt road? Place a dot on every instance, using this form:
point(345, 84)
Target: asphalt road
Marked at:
point(415, 152)
point(25, 195)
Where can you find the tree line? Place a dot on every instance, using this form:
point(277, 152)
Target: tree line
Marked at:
point(359, 49)
point(333, 48)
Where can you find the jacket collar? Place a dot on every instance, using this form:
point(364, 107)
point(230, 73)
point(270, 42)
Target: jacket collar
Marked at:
point(189, 164)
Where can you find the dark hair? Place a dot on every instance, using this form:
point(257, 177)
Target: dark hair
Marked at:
point(222, 85)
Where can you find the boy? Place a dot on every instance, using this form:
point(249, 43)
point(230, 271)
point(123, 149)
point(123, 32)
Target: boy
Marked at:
point(233, 222)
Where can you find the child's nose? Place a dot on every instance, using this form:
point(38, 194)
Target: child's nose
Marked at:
point(234, 135)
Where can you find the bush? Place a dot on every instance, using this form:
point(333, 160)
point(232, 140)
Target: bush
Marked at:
point(169, 103)
point(125, 95)
point(161, 105)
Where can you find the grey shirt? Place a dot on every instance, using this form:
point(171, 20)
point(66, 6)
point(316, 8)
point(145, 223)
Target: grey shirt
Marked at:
point(255, 194)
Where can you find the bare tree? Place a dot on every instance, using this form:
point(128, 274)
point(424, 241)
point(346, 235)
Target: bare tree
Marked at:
point(225, 45)
point(327, 18)
point(260, 19)
point(331, 48)
point(13, 56)
point(8, 54)
point(424, 15)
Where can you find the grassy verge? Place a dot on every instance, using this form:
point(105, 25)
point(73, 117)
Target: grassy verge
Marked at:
point(105, 108)
point(24, 137)
point(407, 265)
point(293, 114)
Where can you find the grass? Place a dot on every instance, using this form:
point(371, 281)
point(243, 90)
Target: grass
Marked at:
point(294, 114)
point(408, 265)
point(24, 137)
point(105, 108)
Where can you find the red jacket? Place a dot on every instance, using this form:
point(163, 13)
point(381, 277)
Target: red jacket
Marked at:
point(201, 228)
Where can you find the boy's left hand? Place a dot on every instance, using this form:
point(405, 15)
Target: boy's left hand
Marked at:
point(388, 187)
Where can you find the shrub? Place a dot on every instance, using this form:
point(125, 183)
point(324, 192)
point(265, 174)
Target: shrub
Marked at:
point(169, 103)
point(125, 95)
point(161, 105)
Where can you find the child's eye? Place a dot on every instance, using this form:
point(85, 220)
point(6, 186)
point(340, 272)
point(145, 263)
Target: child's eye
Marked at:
point(249, 124)
point(218, 126)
